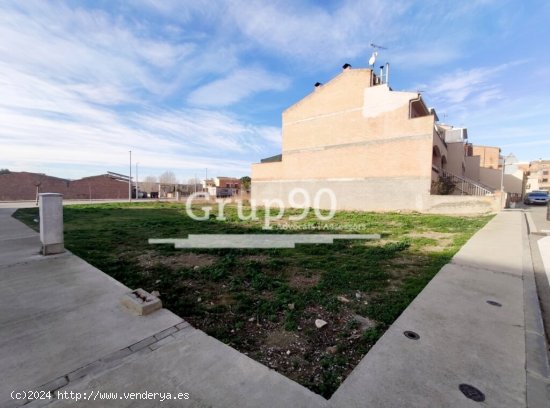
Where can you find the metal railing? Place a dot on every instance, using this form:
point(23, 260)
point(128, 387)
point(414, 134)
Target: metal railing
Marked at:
point(465, 185)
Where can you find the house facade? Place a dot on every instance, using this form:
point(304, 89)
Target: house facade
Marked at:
point(489, 156)
point(222, 186)
point(374, 148)
point(538, 175)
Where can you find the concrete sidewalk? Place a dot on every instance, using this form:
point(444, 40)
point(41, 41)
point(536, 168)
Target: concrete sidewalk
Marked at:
point(58, 313)
point(62, 328)
point(463, 339)
point(62, 325)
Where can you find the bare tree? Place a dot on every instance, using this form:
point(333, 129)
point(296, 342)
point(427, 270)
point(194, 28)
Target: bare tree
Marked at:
point(149, 184)
point(194, 184)
point(168, 182)
point(168, 177)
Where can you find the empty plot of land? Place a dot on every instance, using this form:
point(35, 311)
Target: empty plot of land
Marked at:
point(311, 312)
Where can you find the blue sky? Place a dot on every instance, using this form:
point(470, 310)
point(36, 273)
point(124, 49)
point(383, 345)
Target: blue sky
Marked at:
point(189, 85)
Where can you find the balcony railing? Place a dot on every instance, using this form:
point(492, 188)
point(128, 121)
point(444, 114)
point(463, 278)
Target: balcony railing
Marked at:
point(464, 185)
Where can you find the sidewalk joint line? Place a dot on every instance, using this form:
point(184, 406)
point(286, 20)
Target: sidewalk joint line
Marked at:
point(113, 359)
point(481, 268)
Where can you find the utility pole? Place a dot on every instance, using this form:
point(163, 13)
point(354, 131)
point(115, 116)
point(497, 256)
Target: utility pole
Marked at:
point(502, 182)
point(130, 179)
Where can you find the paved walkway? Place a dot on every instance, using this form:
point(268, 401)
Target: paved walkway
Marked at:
point(61, 323)
point(62, 328)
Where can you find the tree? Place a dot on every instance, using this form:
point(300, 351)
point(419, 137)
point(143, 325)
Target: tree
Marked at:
point(245, 183)
point(168, 177)
point(168, 182)
point(4, 171)
point(149, 184)
point(193, 181)
point(194, 184)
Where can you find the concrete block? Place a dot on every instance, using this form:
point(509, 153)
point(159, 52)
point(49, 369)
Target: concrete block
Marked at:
point(55, 384)
point(83, 371)
point(165, 333)
point(117, 355)
point(182, 325)
point(51, 223)
point(143, 343)
point(183, 332)
point(141, 353)
point(38, 403)
point(141, 302)
point(161, 343)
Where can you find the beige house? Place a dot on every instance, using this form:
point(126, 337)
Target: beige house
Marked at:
point(511, 178)
point(222, 186)
point(489, 156)
point(539, 175)
point(374, 148)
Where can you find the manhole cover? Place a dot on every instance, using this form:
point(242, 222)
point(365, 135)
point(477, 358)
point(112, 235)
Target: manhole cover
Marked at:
point(471, 392)
point(411, 335)
point(493, 303)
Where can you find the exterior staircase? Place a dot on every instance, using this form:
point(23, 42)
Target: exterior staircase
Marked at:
point(463, 185)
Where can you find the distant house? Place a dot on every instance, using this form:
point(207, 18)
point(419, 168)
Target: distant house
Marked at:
point(222, 186)
point(539, 175)
point(375, 148)
point(15, 186)
point(489, 156)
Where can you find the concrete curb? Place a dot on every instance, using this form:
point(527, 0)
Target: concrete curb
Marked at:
point(144, 346)
point(537, 366)
point(531, 227)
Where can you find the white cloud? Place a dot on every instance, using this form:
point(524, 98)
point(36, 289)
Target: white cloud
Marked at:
point(311, 33)
point(238, 85)
point(424, 56)
point(473, 88)
point(80, 87)
point(178, 140)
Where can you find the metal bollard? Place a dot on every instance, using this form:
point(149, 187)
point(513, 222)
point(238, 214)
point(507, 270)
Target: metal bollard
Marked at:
point(51, 223)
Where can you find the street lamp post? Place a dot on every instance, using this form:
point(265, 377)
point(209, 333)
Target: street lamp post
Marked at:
point(130, 179)
point(137, 181)
point(502, 180)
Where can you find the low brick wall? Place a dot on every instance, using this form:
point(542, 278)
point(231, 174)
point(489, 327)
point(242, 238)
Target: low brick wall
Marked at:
point(453, 204)
point(16, 186)
point(377, 194)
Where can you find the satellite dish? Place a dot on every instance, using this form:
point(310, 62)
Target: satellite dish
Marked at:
point(372, 58)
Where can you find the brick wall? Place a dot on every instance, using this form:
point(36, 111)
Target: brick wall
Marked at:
point(16, 186)
point(97, 187)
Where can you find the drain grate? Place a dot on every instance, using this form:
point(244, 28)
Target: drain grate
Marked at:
point(411, 335)
point(493, 303)
point(471, 392)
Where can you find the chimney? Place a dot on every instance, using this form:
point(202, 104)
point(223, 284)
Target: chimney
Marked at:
point(346, 66)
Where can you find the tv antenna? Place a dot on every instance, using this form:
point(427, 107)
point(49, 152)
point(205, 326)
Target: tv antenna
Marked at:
point(372, 58)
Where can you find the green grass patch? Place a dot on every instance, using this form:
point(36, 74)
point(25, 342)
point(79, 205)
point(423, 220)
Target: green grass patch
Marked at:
point(264, 302)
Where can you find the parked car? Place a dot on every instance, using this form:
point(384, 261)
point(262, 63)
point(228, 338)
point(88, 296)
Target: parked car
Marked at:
point(537, 197)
